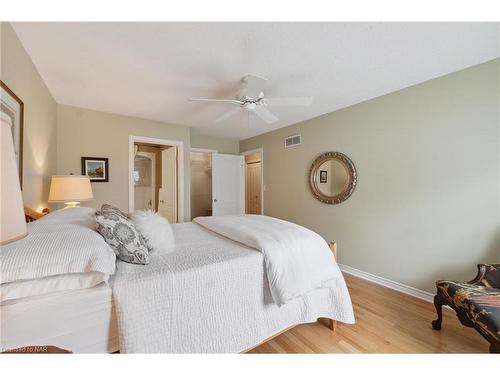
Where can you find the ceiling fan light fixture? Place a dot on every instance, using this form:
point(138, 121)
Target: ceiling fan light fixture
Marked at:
point(252, 99)
point(250, 106)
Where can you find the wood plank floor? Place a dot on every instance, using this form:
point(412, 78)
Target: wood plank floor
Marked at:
point(387, 321)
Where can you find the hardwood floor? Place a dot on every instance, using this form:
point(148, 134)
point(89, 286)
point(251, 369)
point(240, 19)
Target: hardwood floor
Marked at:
point(387, 321)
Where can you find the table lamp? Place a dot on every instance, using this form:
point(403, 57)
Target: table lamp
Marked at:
point(70, 190)
point(13, 223)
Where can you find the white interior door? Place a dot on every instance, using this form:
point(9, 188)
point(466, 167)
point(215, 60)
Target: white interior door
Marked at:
point(167, 200)
point(228, 193)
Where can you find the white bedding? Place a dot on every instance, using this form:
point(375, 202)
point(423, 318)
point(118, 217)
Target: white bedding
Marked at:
point(63, 242)
point(297, 259)
point(51, 284)
point(82, 321)
point(211, 295)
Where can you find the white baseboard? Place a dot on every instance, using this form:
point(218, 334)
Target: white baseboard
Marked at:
point(426, 296)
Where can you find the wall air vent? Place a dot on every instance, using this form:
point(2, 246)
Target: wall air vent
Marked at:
point(293, 140)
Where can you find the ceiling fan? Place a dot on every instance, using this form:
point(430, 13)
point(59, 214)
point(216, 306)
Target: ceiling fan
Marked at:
point(251, 98)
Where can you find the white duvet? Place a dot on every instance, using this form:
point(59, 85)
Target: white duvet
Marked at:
point(211, 295)
point(297, 259)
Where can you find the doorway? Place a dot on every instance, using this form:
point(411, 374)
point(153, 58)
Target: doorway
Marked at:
point(154, 178)
point(254, 187)
point(201, 183)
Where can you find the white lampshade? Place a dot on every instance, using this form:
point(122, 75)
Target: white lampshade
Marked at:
point(70, 189)
point(13, 223)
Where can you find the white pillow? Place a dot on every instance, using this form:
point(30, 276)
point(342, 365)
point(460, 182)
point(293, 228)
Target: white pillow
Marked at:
point(156, 231)
point(83, 216)
point(50, 284)
point(56, 245)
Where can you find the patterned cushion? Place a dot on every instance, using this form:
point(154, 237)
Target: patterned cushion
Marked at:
point(120, 234)
point(480, 303)
point(109, 209)
point(492, 276)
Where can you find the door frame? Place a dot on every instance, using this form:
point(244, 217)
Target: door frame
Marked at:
point(132, 139)
point(253, 151)
point(203, 150)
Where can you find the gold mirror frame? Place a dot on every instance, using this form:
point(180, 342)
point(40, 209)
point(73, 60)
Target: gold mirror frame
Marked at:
point(313, 177)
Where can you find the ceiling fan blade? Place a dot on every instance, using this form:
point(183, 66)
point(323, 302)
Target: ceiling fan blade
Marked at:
point(254, 85)
point(265, 114)
point(300, 101)
point(234, 101)
point(227, 115)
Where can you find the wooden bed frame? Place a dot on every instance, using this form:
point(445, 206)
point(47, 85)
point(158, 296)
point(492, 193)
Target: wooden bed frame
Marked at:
point(330, 323)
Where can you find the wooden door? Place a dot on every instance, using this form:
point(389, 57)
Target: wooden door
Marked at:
point(167, 205)
point(253, 188)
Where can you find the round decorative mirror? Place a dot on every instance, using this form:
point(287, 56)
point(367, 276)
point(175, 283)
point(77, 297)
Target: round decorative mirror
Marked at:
point(332, 177)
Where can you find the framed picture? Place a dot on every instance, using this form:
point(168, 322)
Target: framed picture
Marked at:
point(323, 177)
point(96, 168)
point(12, 110)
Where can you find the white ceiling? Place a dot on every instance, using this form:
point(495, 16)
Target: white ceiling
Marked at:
point(149, 70)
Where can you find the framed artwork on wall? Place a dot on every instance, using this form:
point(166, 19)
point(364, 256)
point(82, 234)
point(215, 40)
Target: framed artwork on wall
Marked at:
point(323, 177)
point(12, 110)
point(96, 168)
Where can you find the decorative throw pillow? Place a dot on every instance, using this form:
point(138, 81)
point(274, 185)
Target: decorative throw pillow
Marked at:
point(156, 231)
point(110, 209)
point(120, 234)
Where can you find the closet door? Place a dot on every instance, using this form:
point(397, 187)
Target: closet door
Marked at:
point(253, 186)
point(228, 193)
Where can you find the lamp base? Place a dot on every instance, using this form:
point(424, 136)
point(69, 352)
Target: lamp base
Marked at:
point(71, 204)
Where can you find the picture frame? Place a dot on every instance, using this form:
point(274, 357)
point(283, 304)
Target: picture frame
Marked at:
point(95, 168)
point(323, 177)
point(12, 109)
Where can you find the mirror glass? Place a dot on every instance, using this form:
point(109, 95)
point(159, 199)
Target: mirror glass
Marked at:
point(332, 177)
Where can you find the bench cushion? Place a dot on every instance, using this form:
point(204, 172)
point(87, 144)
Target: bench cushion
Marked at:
point(481, 304)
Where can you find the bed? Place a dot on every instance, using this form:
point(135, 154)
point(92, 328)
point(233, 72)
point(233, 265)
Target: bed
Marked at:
point(211, 294)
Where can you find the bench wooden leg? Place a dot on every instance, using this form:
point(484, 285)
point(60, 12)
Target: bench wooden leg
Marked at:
point(438, 303)
point(495, 347)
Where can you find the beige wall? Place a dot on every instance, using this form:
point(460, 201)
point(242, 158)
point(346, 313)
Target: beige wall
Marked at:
point(83, 132)
point(225, 146)
point(427, 204)
point(40, 118)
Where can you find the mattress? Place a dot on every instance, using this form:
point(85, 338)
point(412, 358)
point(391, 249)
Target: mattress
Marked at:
point(82, 321)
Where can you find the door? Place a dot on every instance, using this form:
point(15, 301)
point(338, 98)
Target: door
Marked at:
point(144, 181)
point(227, 185)
point(167, 196)
point(253, 185)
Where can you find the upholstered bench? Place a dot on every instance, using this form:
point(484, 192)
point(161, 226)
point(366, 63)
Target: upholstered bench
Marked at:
point(477, 303)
